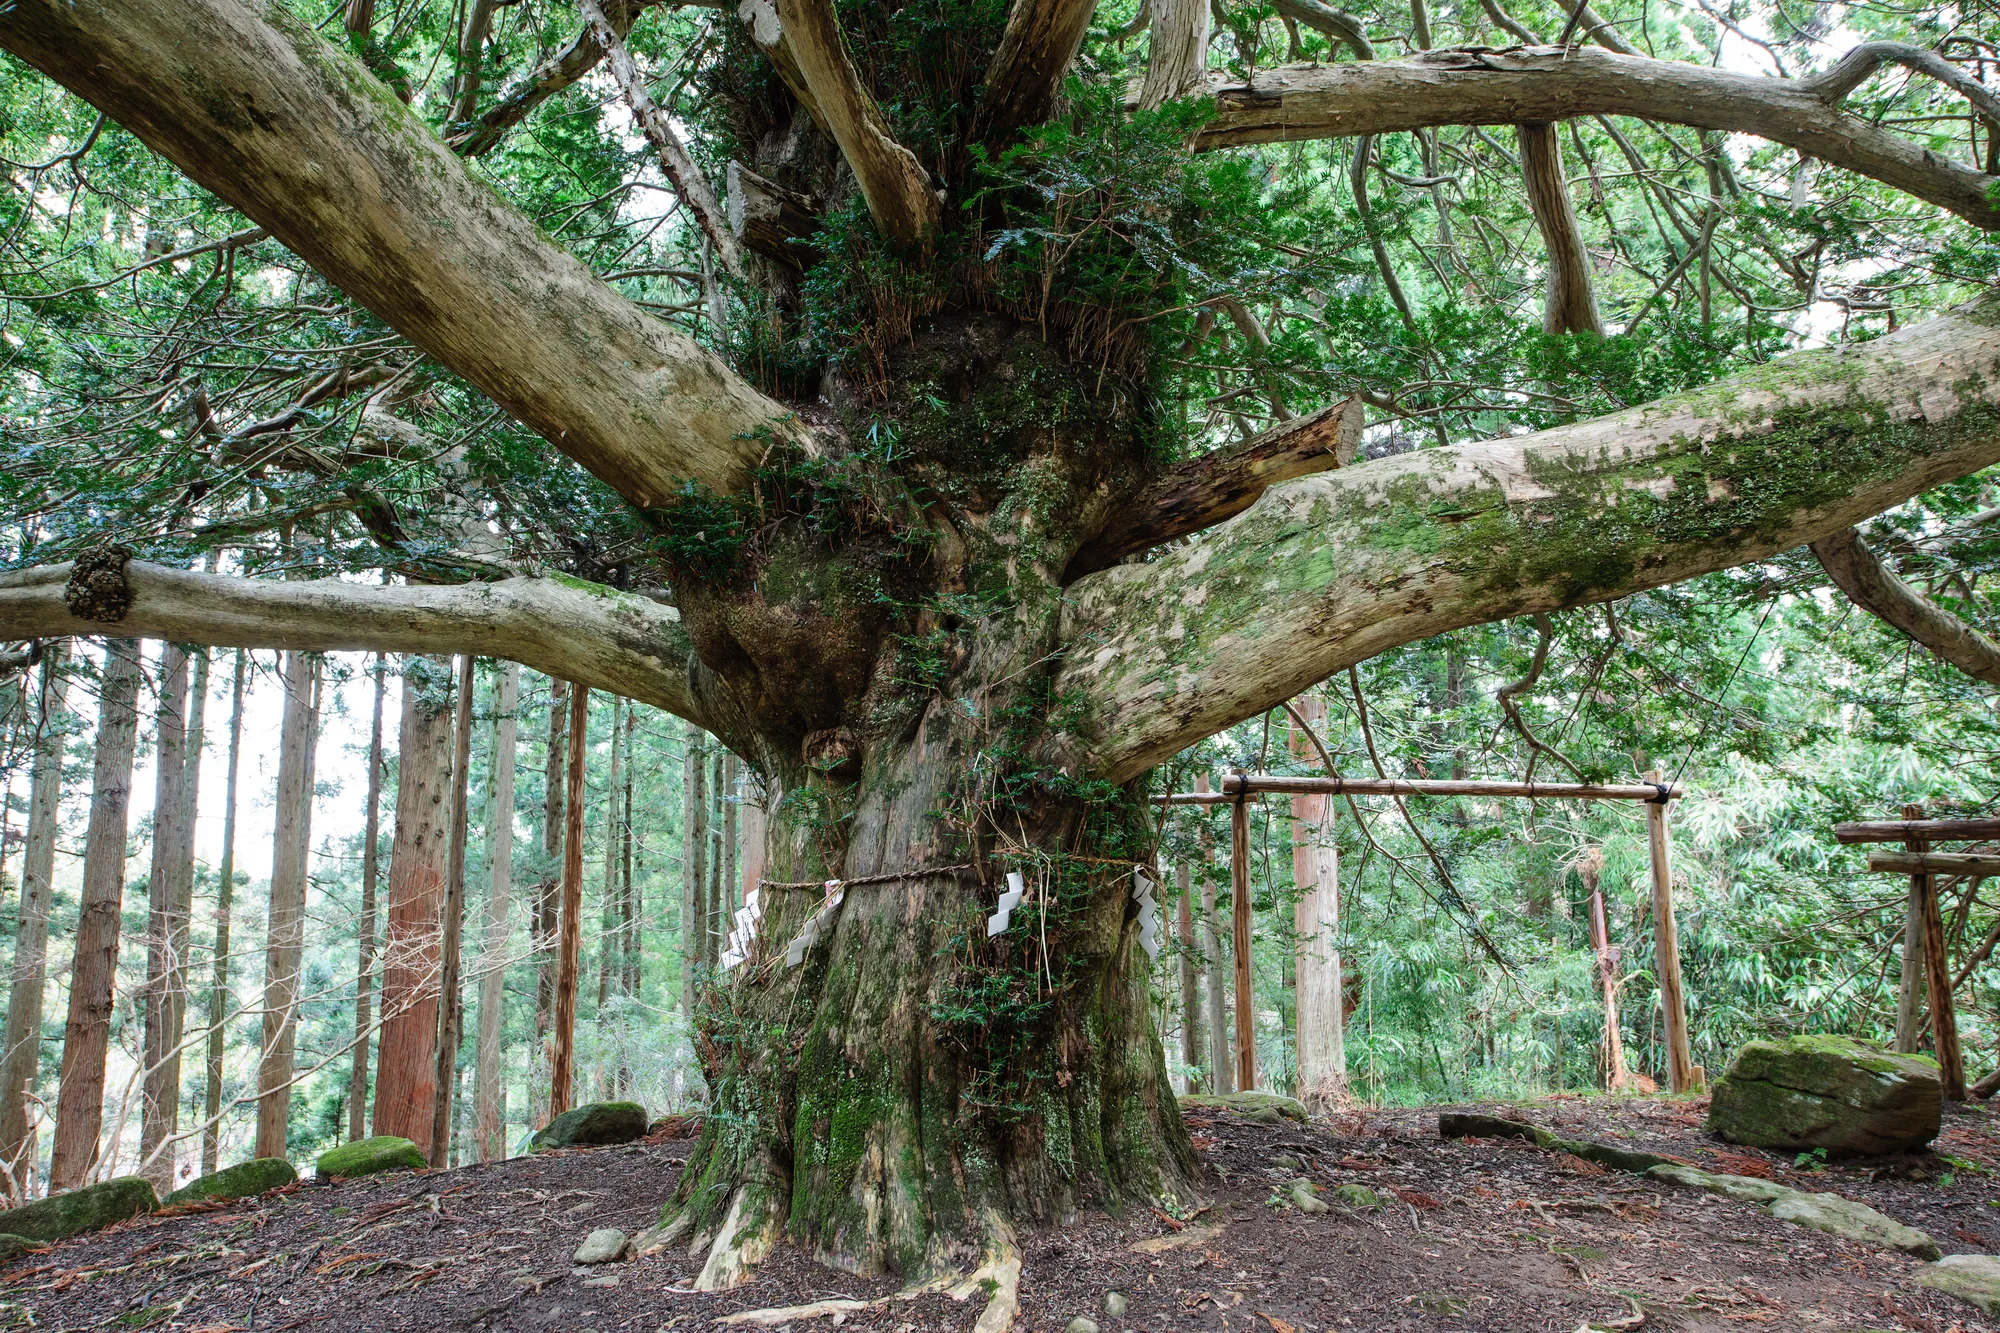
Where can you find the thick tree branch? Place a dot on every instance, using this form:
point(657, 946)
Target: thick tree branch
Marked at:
point(1875, 589)
point(768, 218)
point(254, 105)
point(1330, 22)
point(1177, 60)
point(1330, 570)
point(801, 38)
point(1474, 86)
point(565, 627)
point(1028, 67)
point(1854, 69)
point(1205, 491)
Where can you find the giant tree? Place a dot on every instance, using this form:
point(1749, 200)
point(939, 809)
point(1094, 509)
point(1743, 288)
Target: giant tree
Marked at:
point(930, 524)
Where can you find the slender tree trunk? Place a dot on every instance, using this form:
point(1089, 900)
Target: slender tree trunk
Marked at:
point(628, 901)
point(365, 929)
point(94, 970)
point(548, 888)
point(718, 894)
point(406, 1054)
point(562, 1064)
point(610, 944)
point(732, 773)
point(488, 1088)
point(285, 938)
point(1215, 925)
point(1910, 991)
point(1191, 1026)
point(166, 926)
point(21, 1055)
point(694, 869)
point(225, 901)
point(451, 1015)
point(1322, 1034)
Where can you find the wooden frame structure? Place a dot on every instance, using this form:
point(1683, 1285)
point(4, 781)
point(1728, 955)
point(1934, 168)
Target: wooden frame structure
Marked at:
point(1236, 789)
point(1923, 865)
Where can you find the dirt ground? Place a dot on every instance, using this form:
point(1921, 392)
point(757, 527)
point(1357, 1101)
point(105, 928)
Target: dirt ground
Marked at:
point(1476, 1235)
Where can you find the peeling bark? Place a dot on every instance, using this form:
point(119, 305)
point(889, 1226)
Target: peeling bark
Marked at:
point(1041, 39)
point(1177, 60)
point(1464, 86)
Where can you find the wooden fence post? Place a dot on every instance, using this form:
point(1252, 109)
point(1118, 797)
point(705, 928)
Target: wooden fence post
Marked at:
point(1239, 885)
point(1682, 1075)
point(1937, 972)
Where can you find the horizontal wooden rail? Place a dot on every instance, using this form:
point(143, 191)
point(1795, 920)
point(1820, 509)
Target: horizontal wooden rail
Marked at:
point(1934, 863)
point(1931, 830)
point(1235, 785)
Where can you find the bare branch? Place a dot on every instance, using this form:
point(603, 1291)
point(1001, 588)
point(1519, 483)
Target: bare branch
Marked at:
point(1569, 305)
point(255, 105)
point(1330, 22)
point(802, 40)
point(1857, 65)
point(1332, 569)
point(675, 161)
point(1860, 573)
point(565, 627)
point(1205, 491)
point(1476, 86)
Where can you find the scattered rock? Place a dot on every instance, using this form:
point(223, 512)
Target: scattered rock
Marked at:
point(595, 1124)
point(1973, 1278)
point(602, 1280)
point(1115, 1304)
point(370, 1157)
point(245, 1180)
point(1269, 1106)
point(13, 1247)
point(1358, 1196)
point(1306, 1198)
point(606, 1245)
point(1827, 1092)
point(1083, 1323)
point(1174, 1240)
point(1822, 1212)
point(95, 1206)
point(1286, 1161)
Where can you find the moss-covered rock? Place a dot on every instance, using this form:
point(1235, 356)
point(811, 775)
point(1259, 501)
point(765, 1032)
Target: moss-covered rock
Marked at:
point(594, 1123)
point(1829, 1092)
point(1251, 1105)
point(1973, 1278)
point(13, 1247)
point(368, 1157)
point(63, 1215)
point(243, 1181)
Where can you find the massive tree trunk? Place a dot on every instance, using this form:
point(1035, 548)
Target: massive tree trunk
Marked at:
point(21, 1047)
point(94, 969)
point(406, 1053)
point(284, 937)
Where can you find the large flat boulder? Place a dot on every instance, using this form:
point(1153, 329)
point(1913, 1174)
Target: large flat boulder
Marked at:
point(1836, 1093)
point(61, 1216)
point(245, 1180)
point(594, 1124)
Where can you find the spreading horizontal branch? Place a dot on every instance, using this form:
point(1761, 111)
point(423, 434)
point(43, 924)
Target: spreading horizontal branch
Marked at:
point(1205, 491)
point(1332, 569)
point(1874, 588)
point(564, 627)
point(1477, 86)
point(256, 106)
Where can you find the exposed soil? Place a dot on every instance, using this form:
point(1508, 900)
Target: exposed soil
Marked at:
point(1477, 1235)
